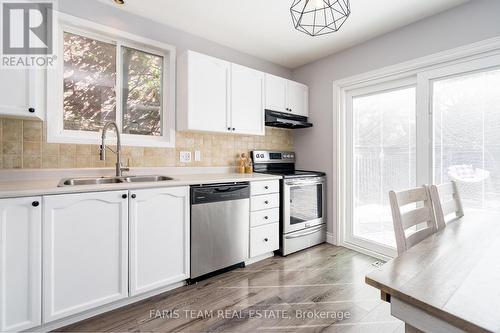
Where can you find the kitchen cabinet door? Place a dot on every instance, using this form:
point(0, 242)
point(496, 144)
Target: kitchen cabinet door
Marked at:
point(85, 257)
point(20, 263)
point(204, 93)
point(159, 238)
point(264, 239)
point(276, 93)
point(247, 100)
point(21, 92)
point(297, 97)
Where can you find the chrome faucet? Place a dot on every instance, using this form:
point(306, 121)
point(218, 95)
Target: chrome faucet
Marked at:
point(102, 151)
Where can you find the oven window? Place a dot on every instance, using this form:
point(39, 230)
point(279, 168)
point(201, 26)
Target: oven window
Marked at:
point(306, 203)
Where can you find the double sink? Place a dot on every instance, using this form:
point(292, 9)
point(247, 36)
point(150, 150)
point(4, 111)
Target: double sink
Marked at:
point(112, 180)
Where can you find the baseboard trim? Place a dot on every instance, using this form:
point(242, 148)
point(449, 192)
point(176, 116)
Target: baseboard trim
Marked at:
point(330, 238)
point(366, 251)
point(259, 258)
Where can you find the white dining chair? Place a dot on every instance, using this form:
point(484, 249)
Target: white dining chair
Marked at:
point(446, 201)
point(409, 225)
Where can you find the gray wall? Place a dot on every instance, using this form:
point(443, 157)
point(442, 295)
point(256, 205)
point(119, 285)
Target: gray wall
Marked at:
point(317, 148)
point(96, 11)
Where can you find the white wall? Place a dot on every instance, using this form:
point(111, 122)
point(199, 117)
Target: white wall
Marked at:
point(96, 11)
point(317, 148)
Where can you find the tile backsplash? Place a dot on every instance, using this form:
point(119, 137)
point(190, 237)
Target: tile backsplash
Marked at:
point(23, 144)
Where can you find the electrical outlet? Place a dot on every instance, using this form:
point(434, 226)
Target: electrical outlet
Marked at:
point(185, 157)
point(197, 156)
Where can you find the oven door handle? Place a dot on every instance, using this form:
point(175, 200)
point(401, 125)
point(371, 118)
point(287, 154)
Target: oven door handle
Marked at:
point(305, 233)
point(304, 182)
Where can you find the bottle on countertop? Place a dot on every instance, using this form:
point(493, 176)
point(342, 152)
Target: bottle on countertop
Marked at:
point(248, 165)
point(242, 161)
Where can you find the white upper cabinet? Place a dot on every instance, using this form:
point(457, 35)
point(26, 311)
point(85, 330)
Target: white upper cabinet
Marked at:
point(20, 263)
point(21, 93)
point(287, 96)
point(298, 98)
point(247, 100)
point(217, 96)
point(203, 93)
point(159, 238)
point(276, 93)
point(85, 252)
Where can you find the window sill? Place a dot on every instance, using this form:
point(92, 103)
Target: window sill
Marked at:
point(94, 138)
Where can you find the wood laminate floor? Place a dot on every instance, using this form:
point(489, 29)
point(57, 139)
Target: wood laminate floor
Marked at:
point(321, 289)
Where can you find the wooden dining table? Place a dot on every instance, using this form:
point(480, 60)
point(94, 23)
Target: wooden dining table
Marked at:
point(449, 282)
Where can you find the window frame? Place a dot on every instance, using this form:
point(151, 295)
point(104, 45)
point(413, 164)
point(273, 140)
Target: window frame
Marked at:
point(382, 87)
point(470, 58)
point(55, 87)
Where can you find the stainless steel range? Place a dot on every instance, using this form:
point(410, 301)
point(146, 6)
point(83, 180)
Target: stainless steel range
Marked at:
point(302, 221)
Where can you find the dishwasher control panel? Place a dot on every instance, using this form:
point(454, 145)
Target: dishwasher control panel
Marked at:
point(219, 192)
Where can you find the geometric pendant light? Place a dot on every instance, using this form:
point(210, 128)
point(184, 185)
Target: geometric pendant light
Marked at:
point(319, 17)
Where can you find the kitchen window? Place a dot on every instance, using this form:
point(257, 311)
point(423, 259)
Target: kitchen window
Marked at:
point(106, 75)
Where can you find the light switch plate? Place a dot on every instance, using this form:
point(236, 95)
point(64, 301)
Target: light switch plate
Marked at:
point(185, 157)
point(197, 156)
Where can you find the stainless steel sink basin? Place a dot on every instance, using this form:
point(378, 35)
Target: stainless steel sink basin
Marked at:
point(144, 179)
point(90, 181)
point(112, 180)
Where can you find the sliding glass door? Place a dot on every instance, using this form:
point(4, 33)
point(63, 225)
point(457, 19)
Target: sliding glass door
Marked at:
point(433, 127)
point(383, 157)
point(466, 149)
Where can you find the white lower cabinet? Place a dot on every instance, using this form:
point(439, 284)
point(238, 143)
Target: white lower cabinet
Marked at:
point(20, 263)
point(264, 239)
point(267, 201)
point(159, 238)
point(85, 252)
point(264, 217)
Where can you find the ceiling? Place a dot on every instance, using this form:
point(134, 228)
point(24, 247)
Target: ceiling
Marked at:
point(263, 28)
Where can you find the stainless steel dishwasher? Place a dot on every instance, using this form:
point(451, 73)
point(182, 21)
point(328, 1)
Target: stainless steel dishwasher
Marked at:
point(220, 218)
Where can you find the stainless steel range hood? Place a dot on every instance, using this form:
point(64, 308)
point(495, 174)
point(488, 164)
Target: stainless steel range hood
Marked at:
point(286, 120)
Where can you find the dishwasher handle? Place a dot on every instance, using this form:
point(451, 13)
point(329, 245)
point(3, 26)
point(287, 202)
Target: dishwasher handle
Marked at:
point(219, 192)
point(229, 189)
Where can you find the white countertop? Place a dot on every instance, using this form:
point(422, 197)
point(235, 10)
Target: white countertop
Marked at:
point(35, 187)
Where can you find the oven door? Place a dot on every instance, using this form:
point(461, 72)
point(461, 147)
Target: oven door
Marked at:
point(303, 203)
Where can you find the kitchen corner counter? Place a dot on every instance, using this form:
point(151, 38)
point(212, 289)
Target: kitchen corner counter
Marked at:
point(34, 187)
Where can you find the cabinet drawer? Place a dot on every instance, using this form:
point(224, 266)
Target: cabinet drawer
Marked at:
point(265, 187)
point(262, 217)
point(267, 201)
point(264, 239)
